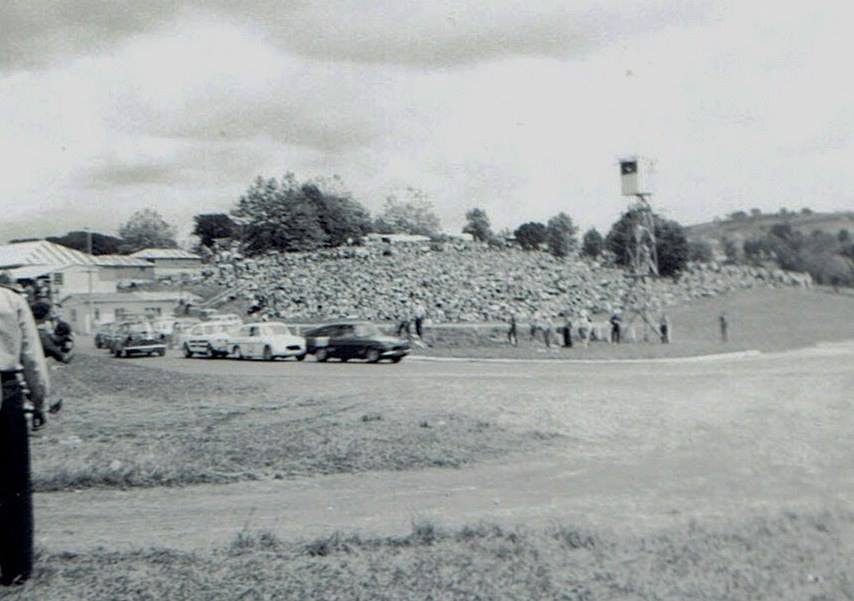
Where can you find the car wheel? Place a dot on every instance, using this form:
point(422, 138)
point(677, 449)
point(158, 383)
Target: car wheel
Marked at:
point(301, 357)
point(373, 355)
point(187, 352)
point(268, 354)
point(321, 355)
point(396, 359)
point(211, 353)
point(237, 354)
point(161, 352)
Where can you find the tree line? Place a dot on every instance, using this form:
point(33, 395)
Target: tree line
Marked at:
point(289, 215)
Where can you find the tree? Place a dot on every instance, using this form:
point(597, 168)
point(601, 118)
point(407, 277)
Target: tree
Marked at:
point(738, 216)
point(147, 229)
point(102, 244)
point(477, 224)
point(671, 242)
point(756, 213)
point(561, 235)
point(700, 251)
point(289, 215)
point(342, 219)
point(411, 214)
point(730, 249)
point(210, 226)
point(592, 244)
point(275, 215)
point(531, 235)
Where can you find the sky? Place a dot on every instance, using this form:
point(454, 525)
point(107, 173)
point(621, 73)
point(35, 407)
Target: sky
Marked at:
point(520, 108)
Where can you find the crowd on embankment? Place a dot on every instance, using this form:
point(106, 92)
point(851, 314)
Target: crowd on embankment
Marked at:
point(455, 282)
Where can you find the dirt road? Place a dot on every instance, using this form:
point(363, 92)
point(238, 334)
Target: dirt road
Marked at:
point(643, 445)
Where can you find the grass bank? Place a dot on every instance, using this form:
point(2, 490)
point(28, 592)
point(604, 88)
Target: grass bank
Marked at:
point(788, 557)
point(764, 319)
point(127, 425)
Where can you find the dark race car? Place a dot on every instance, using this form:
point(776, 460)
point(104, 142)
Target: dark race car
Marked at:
point(137, 339)
point(354, 340)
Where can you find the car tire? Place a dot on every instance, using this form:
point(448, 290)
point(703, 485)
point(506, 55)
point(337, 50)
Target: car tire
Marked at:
point(301, 357)
point(321, 355)
point(211, 353)
point(267, 354)
point(396, 359)
point(187, 352)
point(161, 352)
point(373, 356)
point(237, 354)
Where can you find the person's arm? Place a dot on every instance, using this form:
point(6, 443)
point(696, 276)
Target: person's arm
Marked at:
point(32, 357)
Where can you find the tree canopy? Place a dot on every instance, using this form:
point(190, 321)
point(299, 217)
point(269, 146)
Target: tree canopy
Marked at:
point(147, 229)
point(477, 224)
point(411, 212)
point(210, 226)
point(592, 244)
point(671, 242)
point(531, 235)
point(290, 215)
point(561, 235)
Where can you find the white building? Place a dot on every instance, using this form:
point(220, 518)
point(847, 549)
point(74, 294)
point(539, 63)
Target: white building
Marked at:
point(85, 311)
point(171, 262)
point(68, 271)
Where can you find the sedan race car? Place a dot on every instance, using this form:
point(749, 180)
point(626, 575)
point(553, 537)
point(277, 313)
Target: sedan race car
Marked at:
point(265, 340)
point(355, 340)
point(209, 339)
point(137, 338)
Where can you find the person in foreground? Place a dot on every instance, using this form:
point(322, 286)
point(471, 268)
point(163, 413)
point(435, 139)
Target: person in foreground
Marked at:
point(22, 363)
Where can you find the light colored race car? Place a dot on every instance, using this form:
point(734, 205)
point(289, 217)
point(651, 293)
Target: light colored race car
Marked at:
point(267, 341)
point(208, 339)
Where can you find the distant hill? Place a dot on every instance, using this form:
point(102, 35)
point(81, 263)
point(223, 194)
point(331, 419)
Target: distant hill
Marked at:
point(746, 227)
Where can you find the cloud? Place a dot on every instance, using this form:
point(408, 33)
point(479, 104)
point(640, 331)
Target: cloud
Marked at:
point(399, 32)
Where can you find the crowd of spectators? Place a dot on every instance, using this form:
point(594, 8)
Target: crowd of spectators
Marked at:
point(454, 282)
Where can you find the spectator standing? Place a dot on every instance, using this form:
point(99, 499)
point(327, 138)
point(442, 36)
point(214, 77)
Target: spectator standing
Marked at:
point(512, 337)
point(664, 328)
point(420, 314)
point(616, 324)
point(724, 324)
point(21, 361)
point(567, 332)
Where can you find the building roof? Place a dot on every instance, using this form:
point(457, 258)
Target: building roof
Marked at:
point(164, 253)
point(41, 252)
point(139, 297)
point(121, 261)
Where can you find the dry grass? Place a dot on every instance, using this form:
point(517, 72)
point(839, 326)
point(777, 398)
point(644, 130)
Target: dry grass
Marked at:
point(789, 557)
point(127, 425)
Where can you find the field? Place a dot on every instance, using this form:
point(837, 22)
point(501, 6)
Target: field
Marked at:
point(721, 479)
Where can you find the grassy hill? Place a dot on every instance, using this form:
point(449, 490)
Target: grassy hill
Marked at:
point(754, 226)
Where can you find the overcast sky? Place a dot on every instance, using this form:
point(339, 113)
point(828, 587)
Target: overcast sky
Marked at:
point(519, 107)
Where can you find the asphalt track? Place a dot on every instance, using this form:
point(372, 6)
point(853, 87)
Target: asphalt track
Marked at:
point(643, 445)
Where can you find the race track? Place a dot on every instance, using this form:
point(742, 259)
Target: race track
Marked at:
point(642, 445)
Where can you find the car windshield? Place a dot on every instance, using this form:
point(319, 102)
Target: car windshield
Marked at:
point(365, 330)
point(278, 329)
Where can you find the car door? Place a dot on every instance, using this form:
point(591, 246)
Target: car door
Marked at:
point(344, 342)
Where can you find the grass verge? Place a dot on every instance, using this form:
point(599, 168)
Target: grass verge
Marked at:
point(788, 557)
point(126, 425)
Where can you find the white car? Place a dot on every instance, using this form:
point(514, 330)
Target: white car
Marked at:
point(208, 339)
point(266, 340)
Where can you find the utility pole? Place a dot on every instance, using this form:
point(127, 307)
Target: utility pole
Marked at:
point(90, 318)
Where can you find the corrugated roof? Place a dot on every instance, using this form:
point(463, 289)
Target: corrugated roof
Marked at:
point(164, 253)
point(32, 272)
point(41, 252)
point(118, 297)
point(121, 261)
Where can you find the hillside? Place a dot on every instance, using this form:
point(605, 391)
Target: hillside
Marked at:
point(752, 227)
